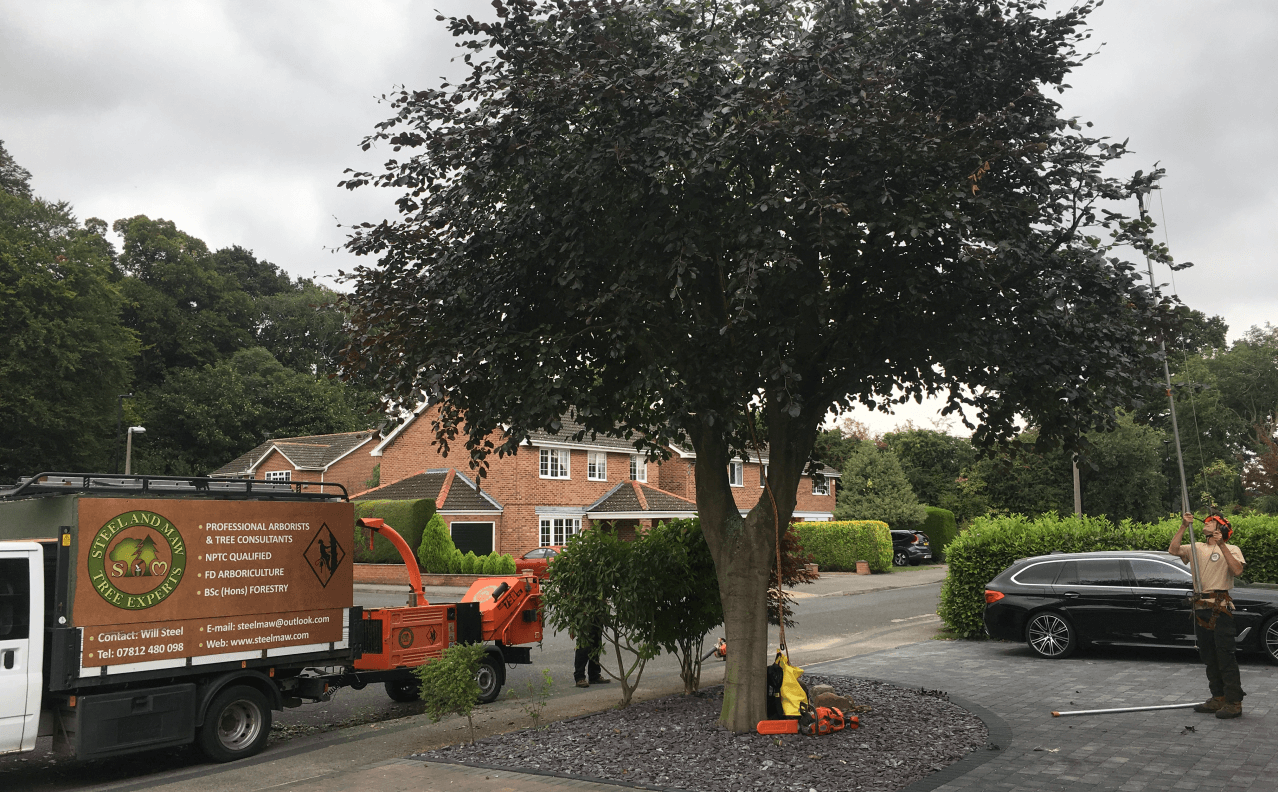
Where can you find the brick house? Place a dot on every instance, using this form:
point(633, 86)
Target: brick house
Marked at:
point(341, 458)
point(555, 487)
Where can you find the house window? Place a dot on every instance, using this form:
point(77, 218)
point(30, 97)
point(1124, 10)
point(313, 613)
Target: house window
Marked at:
point(638, 468)
point(557, 530)
point(763, 476)
point(597, 466)
point(735, 473)
point(821, 487)
point(554, 463)
point(279, 475)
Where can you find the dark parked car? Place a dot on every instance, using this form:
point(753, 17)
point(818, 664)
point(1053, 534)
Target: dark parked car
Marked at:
point(910, 547)
point(1057, 603)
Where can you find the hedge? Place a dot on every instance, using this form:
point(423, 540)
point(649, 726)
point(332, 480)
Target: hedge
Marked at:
point(941, 529)
point(837, 546)
point(991, 544)
point(408, 517)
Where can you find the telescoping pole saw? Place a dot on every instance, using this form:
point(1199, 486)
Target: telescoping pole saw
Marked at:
point(1184, 504)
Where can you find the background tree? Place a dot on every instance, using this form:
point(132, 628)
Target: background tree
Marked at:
point(66, 354)
point(874, 487)
point(932, 461)
point(199, 419)
point(663, 214)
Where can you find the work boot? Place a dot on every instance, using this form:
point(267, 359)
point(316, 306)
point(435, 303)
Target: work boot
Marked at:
point(600, 681)
point(582, 683)
point(1210, 705)
point(1230, 709)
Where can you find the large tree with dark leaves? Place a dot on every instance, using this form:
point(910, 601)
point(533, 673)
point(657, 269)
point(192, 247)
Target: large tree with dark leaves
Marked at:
point(665, 215)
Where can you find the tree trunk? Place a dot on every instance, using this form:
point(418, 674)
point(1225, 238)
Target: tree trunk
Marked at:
point(743, 551)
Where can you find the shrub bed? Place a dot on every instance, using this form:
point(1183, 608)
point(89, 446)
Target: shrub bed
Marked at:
point(408, 517)
point(837, 546)
point(991, 544)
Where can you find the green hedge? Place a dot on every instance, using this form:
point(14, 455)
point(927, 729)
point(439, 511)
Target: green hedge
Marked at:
point(991, 544)
point(837, 546)
point(941, 529)
point(408, 517)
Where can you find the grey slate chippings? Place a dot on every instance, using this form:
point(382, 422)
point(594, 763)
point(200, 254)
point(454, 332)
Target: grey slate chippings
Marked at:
point(676, 743)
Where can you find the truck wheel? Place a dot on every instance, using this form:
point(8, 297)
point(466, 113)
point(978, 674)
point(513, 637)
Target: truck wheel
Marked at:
point(489, 678)
point(404, 692)
point(236, 724)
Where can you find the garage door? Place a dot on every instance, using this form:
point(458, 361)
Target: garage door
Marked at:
point(473, 537)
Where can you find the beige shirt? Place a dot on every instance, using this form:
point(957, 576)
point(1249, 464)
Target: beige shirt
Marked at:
point(1213, 571)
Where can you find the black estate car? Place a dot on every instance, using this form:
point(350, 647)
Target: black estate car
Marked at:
point(1057, 603)
point(910, 547)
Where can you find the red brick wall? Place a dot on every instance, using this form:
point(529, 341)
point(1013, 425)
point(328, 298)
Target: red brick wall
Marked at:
point(514, 481)
point(351, 471)
point(678, 476)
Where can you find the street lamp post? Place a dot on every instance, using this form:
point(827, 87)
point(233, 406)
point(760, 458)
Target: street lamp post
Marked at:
point(119, 420)
point(128, 448)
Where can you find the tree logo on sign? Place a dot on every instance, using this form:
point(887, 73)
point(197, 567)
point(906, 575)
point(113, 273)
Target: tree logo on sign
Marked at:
point(136, 560)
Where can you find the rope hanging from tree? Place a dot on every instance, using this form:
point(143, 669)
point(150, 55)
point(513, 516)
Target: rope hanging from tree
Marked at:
point(776, 523)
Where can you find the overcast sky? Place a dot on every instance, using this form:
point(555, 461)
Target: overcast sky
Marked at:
point(236, 119)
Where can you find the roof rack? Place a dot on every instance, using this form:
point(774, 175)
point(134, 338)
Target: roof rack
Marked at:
point(54, 483)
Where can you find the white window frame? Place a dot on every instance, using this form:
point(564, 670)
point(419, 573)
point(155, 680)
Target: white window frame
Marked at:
point(822, 487)
point(556, 531)
point(553, 463)
point(279, 475)
point(596, 466)
point(639, 468)
point(736, 474)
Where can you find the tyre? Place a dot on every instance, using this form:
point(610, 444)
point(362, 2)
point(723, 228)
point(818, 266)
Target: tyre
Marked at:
point(1050, 635)
point(489, 678)
point(915, 561)
point(404, 692)
point(236, 724)
point(1269, 640)
point(899, 558)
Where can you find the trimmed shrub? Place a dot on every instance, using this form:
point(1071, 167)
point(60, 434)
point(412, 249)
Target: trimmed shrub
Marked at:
point(407, 517)
point(492, 564)
point(837, 546)
point(455, 562)
point(436, 545)
point(991, 544)
point(507, 565)
point(940, 527)
point(470, 562)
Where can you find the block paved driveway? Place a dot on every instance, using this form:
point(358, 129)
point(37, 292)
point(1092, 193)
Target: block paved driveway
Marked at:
point(1130, 752)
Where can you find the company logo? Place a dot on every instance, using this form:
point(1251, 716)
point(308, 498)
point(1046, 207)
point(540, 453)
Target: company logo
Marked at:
point(324, 555)
point(406, 638)
point(137, 560)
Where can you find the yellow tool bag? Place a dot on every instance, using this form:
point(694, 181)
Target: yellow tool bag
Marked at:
point(792, 693)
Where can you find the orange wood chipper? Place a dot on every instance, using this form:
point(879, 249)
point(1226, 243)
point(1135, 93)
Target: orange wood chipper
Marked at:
point(502, 611)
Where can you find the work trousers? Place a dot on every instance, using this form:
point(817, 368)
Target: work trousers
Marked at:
point(1217, 650)
point(587, 657)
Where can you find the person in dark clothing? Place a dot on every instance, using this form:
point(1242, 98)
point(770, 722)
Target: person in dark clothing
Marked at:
point(586, 670)
point(1218, 562)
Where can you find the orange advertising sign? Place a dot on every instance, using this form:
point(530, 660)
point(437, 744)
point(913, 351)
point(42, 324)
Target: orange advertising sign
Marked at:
point(157, 578)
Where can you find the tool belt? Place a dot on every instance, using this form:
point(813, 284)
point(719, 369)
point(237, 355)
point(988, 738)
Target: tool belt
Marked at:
point(1221, 602)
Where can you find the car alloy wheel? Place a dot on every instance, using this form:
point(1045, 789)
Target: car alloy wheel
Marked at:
point(1050, 636)
point(900, 558)
point(1269, 640)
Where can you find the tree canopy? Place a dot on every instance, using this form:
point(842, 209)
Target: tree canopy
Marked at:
point(662, 214)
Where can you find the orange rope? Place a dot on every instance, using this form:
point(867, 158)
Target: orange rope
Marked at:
point(776, 523)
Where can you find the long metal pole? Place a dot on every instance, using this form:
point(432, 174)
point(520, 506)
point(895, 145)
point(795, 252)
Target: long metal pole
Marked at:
point(1180, 458)
point(1124, 709)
